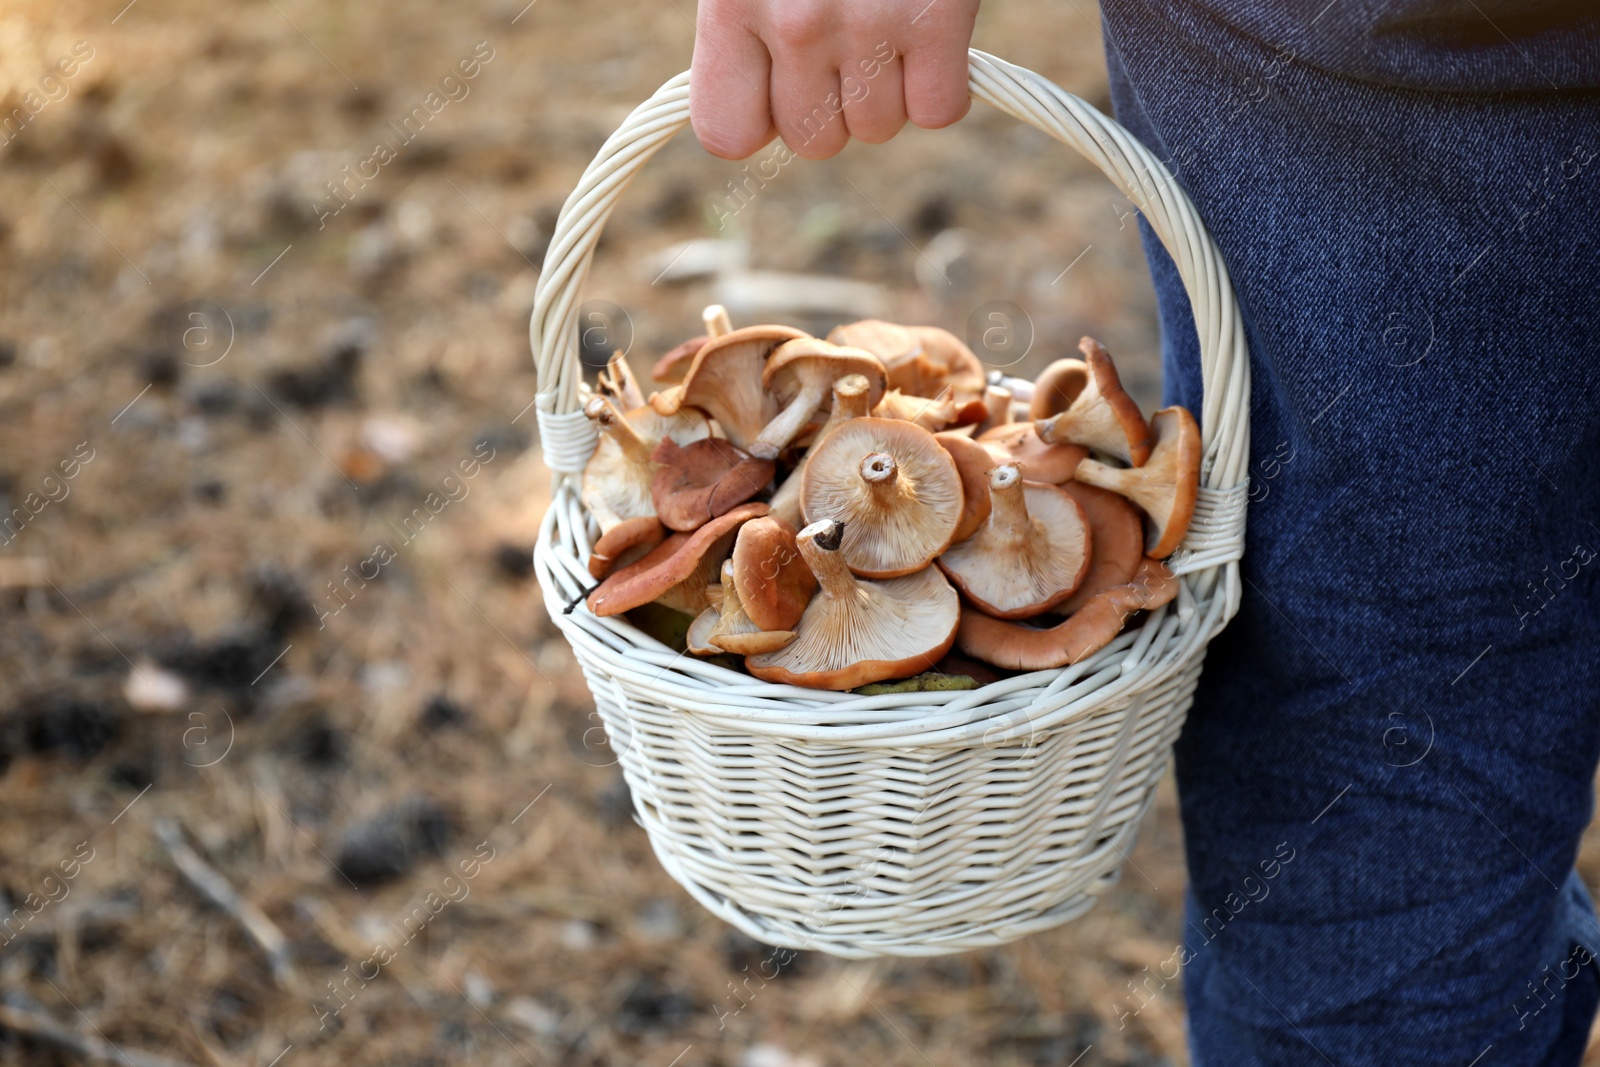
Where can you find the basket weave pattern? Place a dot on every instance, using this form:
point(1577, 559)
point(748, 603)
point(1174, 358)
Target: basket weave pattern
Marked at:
point(906, 824)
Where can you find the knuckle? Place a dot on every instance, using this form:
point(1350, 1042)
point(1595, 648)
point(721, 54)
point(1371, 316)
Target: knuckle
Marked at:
point(797, 23)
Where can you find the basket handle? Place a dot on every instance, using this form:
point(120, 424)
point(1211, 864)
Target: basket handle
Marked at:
point(567, 437)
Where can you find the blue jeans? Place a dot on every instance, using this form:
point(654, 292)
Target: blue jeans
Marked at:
point(1408, 703)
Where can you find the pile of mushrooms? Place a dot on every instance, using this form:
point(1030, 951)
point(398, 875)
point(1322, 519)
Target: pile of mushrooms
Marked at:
point(872, 506)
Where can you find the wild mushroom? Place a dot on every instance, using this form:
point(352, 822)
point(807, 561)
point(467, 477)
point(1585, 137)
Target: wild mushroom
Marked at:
point(1029, 556)
point(1057, 386)
point(617, 382)
point(1166, 486)
point(715, 316)
point(1019, 647)
point(1116, 539)
point(855, 632)
point(852, 399)
point(625, 542)
point(774, 583)
point(972, 463)
point(1019, 443)
point(724, 381)
point(616, 480)
point(676, 572)
point(931, 413)
point(696, 483)
point(997, 408)
point(670, 368)
point(799, 374)
point(895, 489)
point(921, 360)
point(1101, 415)
point(735, 631)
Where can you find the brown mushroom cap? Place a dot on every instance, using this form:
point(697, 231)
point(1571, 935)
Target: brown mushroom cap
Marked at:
point(1019, 443)
point(724, 381)
point(1029, 556)
point(895, 489)
point(1018, 647)
point(774, 583)
point(1102, 415)
point(932, 413)
point(616, 480)
point(670, 368)
point(735, 631)
point(702, 480)
point(628, 538)
point(1057, 386)
point(675, 572)
point(921, 360)
point(972, 463)
point(852, 399)
point(1165, 488)
point(799, 375)
point(1116, 540)
point(854, 631)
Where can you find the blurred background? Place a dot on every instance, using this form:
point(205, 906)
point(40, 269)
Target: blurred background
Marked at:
point(276, 682)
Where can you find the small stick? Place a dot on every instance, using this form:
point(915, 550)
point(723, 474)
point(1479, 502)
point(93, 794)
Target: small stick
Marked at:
point(580, 598)
point(39, 1027)
point(211, 885)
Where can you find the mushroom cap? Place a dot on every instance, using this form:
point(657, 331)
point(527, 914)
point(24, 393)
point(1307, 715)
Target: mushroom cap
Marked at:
point(855, 631)
point(1102, 415)
point(798, 375)
point(1019, 647)
point(1019, 443)
point(1057, 386)
point(724, 381)
point(670, 368)
point(1166, 487)
point(1030, 554)
point(676, 571)
point(932, 413)
point(630, 537)
point(1116, 540)
point(616, 480)
point(972, 463)
point(702, 480)
point(735, 631)
point(772, 579)
point(921, 360)
point(892, 485)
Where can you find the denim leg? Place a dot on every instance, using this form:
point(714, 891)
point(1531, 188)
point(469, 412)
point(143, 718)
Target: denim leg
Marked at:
point(1408, 703)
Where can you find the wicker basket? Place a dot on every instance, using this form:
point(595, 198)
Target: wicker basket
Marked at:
point(912, 824)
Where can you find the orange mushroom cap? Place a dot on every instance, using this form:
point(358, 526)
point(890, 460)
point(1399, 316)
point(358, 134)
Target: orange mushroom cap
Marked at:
point(892, 485)
point(629, 537)
point(724, 381)
point(695, 484)
point(670, 368)
point(799, 375)
point(774, 583)
point(1116, 539)
point(1018, 647)
point(1029, 555)
point(1166, 487)
point(1019, 443)
point(675, 572)
point(1102, 415)
point(855, 631)
point(973, 462)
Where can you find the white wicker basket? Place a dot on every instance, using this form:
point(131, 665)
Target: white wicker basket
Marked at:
point(905, 825)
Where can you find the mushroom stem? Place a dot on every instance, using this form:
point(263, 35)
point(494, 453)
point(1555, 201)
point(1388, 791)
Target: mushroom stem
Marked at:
point(879, 470)
point(620, 430)
point(819, 546)
point(781, 430)
point(717, 321)
point(1009, 519)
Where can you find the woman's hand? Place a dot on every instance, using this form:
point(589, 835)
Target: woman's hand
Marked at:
point(819, 72)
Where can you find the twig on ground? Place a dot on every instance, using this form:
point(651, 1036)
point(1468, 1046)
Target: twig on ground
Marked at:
point(39, 1027)
point(211, 885)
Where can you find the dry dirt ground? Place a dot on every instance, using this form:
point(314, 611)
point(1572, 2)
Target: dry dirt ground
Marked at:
point(231, 414)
